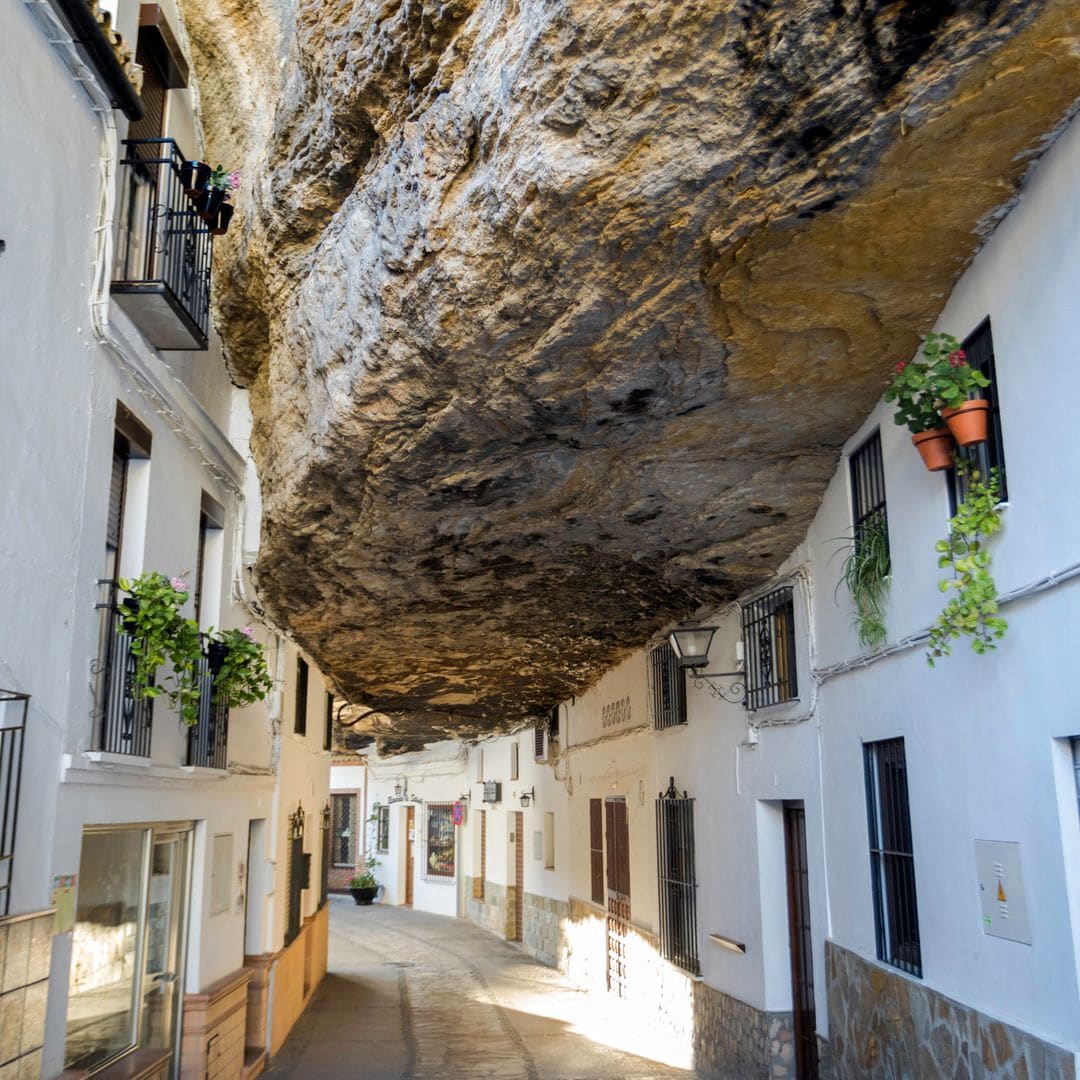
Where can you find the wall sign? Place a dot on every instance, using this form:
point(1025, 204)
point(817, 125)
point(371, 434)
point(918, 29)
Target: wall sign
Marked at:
point(458, 812)
point(1001, 890)
point(492, 791)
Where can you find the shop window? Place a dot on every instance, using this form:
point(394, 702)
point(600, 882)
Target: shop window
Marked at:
point(440, 841)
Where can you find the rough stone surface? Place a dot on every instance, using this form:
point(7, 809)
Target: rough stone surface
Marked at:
point(883, 1024)
point(556, 314)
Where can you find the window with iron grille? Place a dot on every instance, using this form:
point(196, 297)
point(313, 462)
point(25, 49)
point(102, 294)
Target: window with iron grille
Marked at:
point(668, 688)
point(768, 627)
point(300, 719)
point(382, 829)
point(677, 879)
point(440, 840)
point(892, 861)
point(343, 828)
point(596, 850)
point(297, 884)
point(986, 456)
point(868, 493)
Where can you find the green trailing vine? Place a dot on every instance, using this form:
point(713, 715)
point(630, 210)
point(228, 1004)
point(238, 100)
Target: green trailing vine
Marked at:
point(865, 572)
point(972, 609)
point(242, 678)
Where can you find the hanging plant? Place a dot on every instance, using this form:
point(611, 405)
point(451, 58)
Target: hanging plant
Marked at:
point(242, 677)
point(972, 610)
point(865, 572)
point(160, 634)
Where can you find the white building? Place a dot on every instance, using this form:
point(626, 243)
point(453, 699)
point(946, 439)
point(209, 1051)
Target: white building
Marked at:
point(884, 874)
point(173, 858)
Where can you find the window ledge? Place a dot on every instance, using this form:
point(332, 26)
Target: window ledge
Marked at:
point(204, 770)
point(104, 757)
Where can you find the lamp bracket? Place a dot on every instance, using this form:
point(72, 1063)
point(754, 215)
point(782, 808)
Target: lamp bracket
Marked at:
point(726, 686)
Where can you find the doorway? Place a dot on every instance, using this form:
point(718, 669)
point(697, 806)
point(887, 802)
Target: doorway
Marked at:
point(801, 939)
point(410, 840)
point(517, 839)
point(617, 842)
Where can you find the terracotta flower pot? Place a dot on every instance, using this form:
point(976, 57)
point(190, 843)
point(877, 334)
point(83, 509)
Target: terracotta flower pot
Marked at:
point(935, 446)
point(968, 423)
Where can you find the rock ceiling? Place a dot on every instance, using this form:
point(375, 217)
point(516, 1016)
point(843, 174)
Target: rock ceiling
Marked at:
point(555, 313)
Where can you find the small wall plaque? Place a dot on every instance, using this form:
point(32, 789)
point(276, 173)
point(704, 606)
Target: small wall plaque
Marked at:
point(492, 791)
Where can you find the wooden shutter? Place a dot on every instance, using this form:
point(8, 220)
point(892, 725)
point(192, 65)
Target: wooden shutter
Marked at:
point(596, 850)
point(116, 495)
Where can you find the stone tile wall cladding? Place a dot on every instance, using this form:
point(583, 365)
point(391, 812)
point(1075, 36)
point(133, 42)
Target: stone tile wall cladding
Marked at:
point(25, 954)
point(494, 913)
point(884, 1024)
point(543, 936)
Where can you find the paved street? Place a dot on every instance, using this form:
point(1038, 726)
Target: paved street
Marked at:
point(412, 996)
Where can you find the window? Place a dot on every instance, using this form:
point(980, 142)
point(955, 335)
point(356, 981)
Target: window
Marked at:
point(892, 862)
point(480, 857)
point(300, 719)
point(382, 829)
point(440, 840)
point(768, 626)
point(549, 840)
point(343, 829)
point(668, 688)
point(677, 879)
point(479, 764)
point(596, 850)
point(328, 729)
point(208, 558)
point(553, 723)
point(538, 743)
point(126, 964)
point(514, 760)
point(979, 346)
point(869, 514)
point(131, 443)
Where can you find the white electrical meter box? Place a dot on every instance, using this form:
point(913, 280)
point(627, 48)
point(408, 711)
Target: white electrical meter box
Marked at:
point(1001, 890)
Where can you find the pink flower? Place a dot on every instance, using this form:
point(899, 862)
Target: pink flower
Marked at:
point(900, 367)
point(957, 358)
point(248, 632)
point(234, 179)
point(178, 584)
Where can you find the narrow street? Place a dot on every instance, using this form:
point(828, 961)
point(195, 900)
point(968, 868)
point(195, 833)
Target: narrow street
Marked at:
point(411, 995)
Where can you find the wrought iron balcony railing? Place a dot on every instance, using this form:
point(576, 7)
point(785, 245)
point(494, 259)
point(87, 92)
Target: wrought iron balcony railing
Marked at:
point(164, 248)
point(13, 708)
point(208, 740)
point(121, 720)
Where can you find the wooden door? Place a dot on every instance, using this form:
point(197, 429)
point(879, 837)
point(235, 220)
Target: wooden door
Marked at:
point(519, 874)
point(410, 837)
point(802, 955)
point(617, 841)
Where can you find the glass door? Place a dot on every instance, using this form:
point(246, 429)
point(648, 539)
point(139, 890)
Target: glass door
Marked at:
point(165, 920)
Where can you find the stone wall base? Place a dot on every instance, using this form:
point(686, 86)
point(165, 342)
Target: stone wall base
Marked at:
point(25, 954)
point(885, 1024)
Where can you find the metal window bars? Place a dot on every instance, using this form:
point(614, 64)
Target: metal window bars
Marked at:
point(868, 489)
point(296, 875)
point(892, 860)
point(768, 628)
point(677, 879)
point(324, 847)
point(668, 685)
point(13, 709)
point(122, 720)
point(208, 739)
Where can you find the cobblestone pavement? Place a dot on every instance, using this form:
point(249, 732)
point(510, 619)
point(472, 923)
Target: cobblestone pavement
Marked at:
point(412, 996)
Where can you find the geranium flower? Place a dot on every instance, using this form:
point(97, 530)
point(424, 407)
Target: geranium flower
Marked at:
point(957, 358)
point(178, 584)
point(234, 179)
point(900, 367)
point(248, 632)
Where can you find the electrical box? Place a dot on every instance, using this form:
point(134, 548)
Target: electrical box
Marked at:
point(1001, 890)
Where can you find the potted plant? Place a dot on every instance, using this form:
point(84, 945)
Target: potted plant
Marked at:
point(160, 633)
point(913, 391)
point(954, 381)
point(865, 572)
point(363, 886)
point(239, 667)
point(195, 177)
point(972, 609)
point(216, 191)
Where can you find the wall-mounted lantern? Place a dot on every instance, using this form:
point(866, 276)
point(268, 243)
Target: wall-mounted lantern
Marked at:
point(691, 644)
point(527, 797)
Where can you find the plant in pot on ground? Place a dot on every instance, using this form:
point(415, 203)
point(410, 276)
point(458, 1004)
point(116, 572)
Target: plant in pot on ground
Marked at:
point(363, 886)
point(160, 634)
point(240, 674)
point(865, 572)
point(972, 609)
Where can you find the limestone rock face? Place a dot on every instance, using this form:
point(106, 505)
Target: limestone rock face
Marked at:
point(556, 312)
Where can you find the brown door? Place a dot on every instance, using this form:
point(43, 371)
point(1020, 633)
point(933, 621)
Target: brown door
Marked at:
point(802, 955)
point(519, 874)
point(617, 841)
point(410, 836)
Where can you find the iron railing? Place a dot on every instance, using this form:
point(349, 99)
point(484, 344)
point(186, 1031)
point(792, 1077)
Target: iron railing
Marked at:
point(892, 859)
point(677, 879)
point(668, 683)
point(13, 708)
point(768, 627)
point(122, 721)
point(164, 246)
point(208, 739)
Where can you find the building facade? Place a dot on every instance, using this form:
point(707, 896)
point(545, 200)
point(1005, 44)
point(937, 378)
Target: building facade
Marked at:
point(162, 887)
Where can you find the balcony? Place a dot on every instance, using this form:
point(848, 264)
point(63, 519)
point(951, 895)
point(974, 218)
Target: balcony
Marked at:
point(121, 721)
point(13, 708)
point(208, 740)
point(161, 278)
